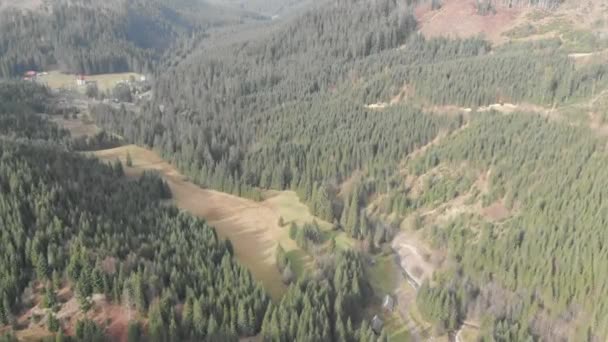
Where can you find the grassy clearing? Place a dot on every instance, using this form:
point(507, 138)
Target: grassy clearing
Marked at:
point(416, 316)
point(385, 275)
point(299, 260)
point(288, 205)
point(384, 278)
point(58, 80)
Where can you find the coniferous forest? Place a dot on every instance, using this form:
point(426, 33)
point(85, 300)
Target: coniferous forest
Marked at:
point(342, 92)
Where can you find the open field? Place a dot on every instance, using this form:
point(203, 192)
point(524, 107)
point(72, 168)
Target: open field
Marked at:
point(291, 209)
point(385, 275)
point(59, 80)
point(288, 205)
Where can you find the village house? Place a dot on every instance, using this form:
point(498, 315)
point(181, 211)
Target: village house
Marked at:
point(377, 324)
point(29, 76)
point(80, 80)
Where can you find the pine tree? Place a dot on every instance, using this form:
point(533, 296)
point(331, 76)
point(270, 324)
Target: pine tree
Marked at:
point(293, 231)
point(133, 332)
point(242, 320)
point(60, 337)
point(198, 319)
point(156, 325)
point(52, 323)
point(212, 327)
point(174, 331)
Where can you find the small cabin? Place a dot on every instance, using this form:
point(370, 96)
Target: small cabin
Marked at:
point(377, 324)
point(29, 76)
point(80, 80)
point(388, 303)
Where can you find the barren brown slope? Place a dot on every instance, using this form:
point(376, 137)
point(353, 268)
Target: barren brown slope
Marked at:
point(252, 227)
point(459, 18)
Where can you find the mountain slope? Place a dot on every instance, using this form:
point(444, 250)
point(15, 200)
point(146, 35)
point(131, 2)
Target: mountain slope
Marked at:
point(294, 109)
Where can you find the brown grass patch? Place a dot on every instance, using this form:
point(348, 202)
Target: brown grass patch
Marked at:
point(415, 258)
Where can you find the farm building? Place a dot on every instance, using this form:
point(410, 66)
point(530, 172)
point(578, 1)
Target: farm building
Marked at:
point(388, 303)
point(80, 80)
point(29, 76)
point(377, 324)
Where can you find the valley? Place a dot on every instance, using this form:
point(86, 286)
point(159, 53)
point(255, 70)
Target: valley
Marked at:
point(340, 170)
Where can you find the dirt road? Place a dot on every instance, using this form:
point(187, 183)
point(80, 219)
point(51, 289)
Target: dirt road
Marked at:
point(411, 260)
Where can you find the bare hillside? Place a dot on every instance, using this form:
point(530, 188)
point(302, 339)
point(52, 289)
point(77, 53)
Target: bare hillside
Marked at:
point(578, 24)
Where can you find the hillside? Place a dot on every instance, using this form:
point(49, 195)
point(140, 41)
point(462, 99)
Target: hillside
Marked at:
point(450, 152)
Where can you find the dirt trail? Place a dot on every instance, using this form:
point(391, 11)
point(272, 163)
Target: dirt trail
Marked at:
point(251, 226)
point(589, 55)
point(411, 260)
point(407, 297)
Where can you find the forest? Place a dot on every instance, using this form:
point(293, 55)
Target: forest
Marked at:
point(345, 92)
